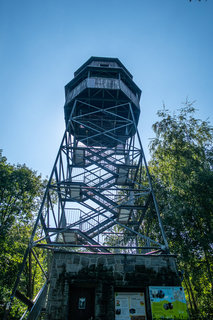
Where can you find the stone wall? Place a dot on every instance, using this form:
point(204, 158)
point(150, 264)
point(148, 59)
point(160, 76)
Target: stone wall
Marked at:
point(106, 273)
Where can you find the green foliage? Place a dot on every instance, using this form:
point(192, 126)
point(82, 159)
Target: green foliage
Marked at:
point(181, 166)
point(21, 190)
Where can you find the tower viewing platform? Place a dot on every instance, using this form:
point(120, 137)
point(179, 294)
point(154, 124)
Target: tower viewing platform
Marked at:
point(103, 90)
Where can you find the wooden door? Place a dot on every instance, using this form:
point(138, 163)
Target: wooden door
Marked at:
point(81, 303)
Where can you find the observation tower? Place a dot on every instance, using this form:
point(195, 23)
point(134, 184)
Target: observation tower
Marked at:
point(99, 206)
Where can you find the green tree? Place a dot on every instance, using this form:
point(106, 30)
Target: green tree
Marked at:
point(181, 165)
point(20, 195)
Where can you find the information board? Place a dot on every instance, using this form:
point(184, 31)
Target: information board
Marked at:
point(130, 306)
point(168, 303)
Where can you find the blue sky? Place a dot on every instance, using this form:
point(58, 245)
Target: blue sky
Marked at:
point(166, 44)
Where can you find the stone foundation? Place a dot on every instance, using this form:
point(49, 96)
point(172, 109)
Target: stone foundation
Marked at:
point(103, 274)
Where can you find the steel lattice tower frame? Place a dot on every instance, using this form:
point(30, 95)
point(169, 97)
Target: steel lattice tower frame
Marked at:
point(100, 191)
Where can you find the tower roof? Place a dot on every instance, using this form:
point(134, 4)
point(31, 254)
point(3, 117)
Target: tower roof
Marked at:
point(109, 62)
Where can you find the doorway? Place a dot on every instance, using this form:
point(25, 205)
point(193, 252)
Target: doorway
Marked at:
point(82, 302)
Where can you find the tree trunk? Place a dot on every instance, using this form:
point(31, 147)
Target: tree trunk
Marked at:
point(208, 269)
point(188, 291)
point(192, 294)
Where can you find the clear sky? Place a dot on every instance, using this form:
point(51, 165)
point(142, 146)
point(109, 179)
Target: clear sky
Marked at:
point(166, 44)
